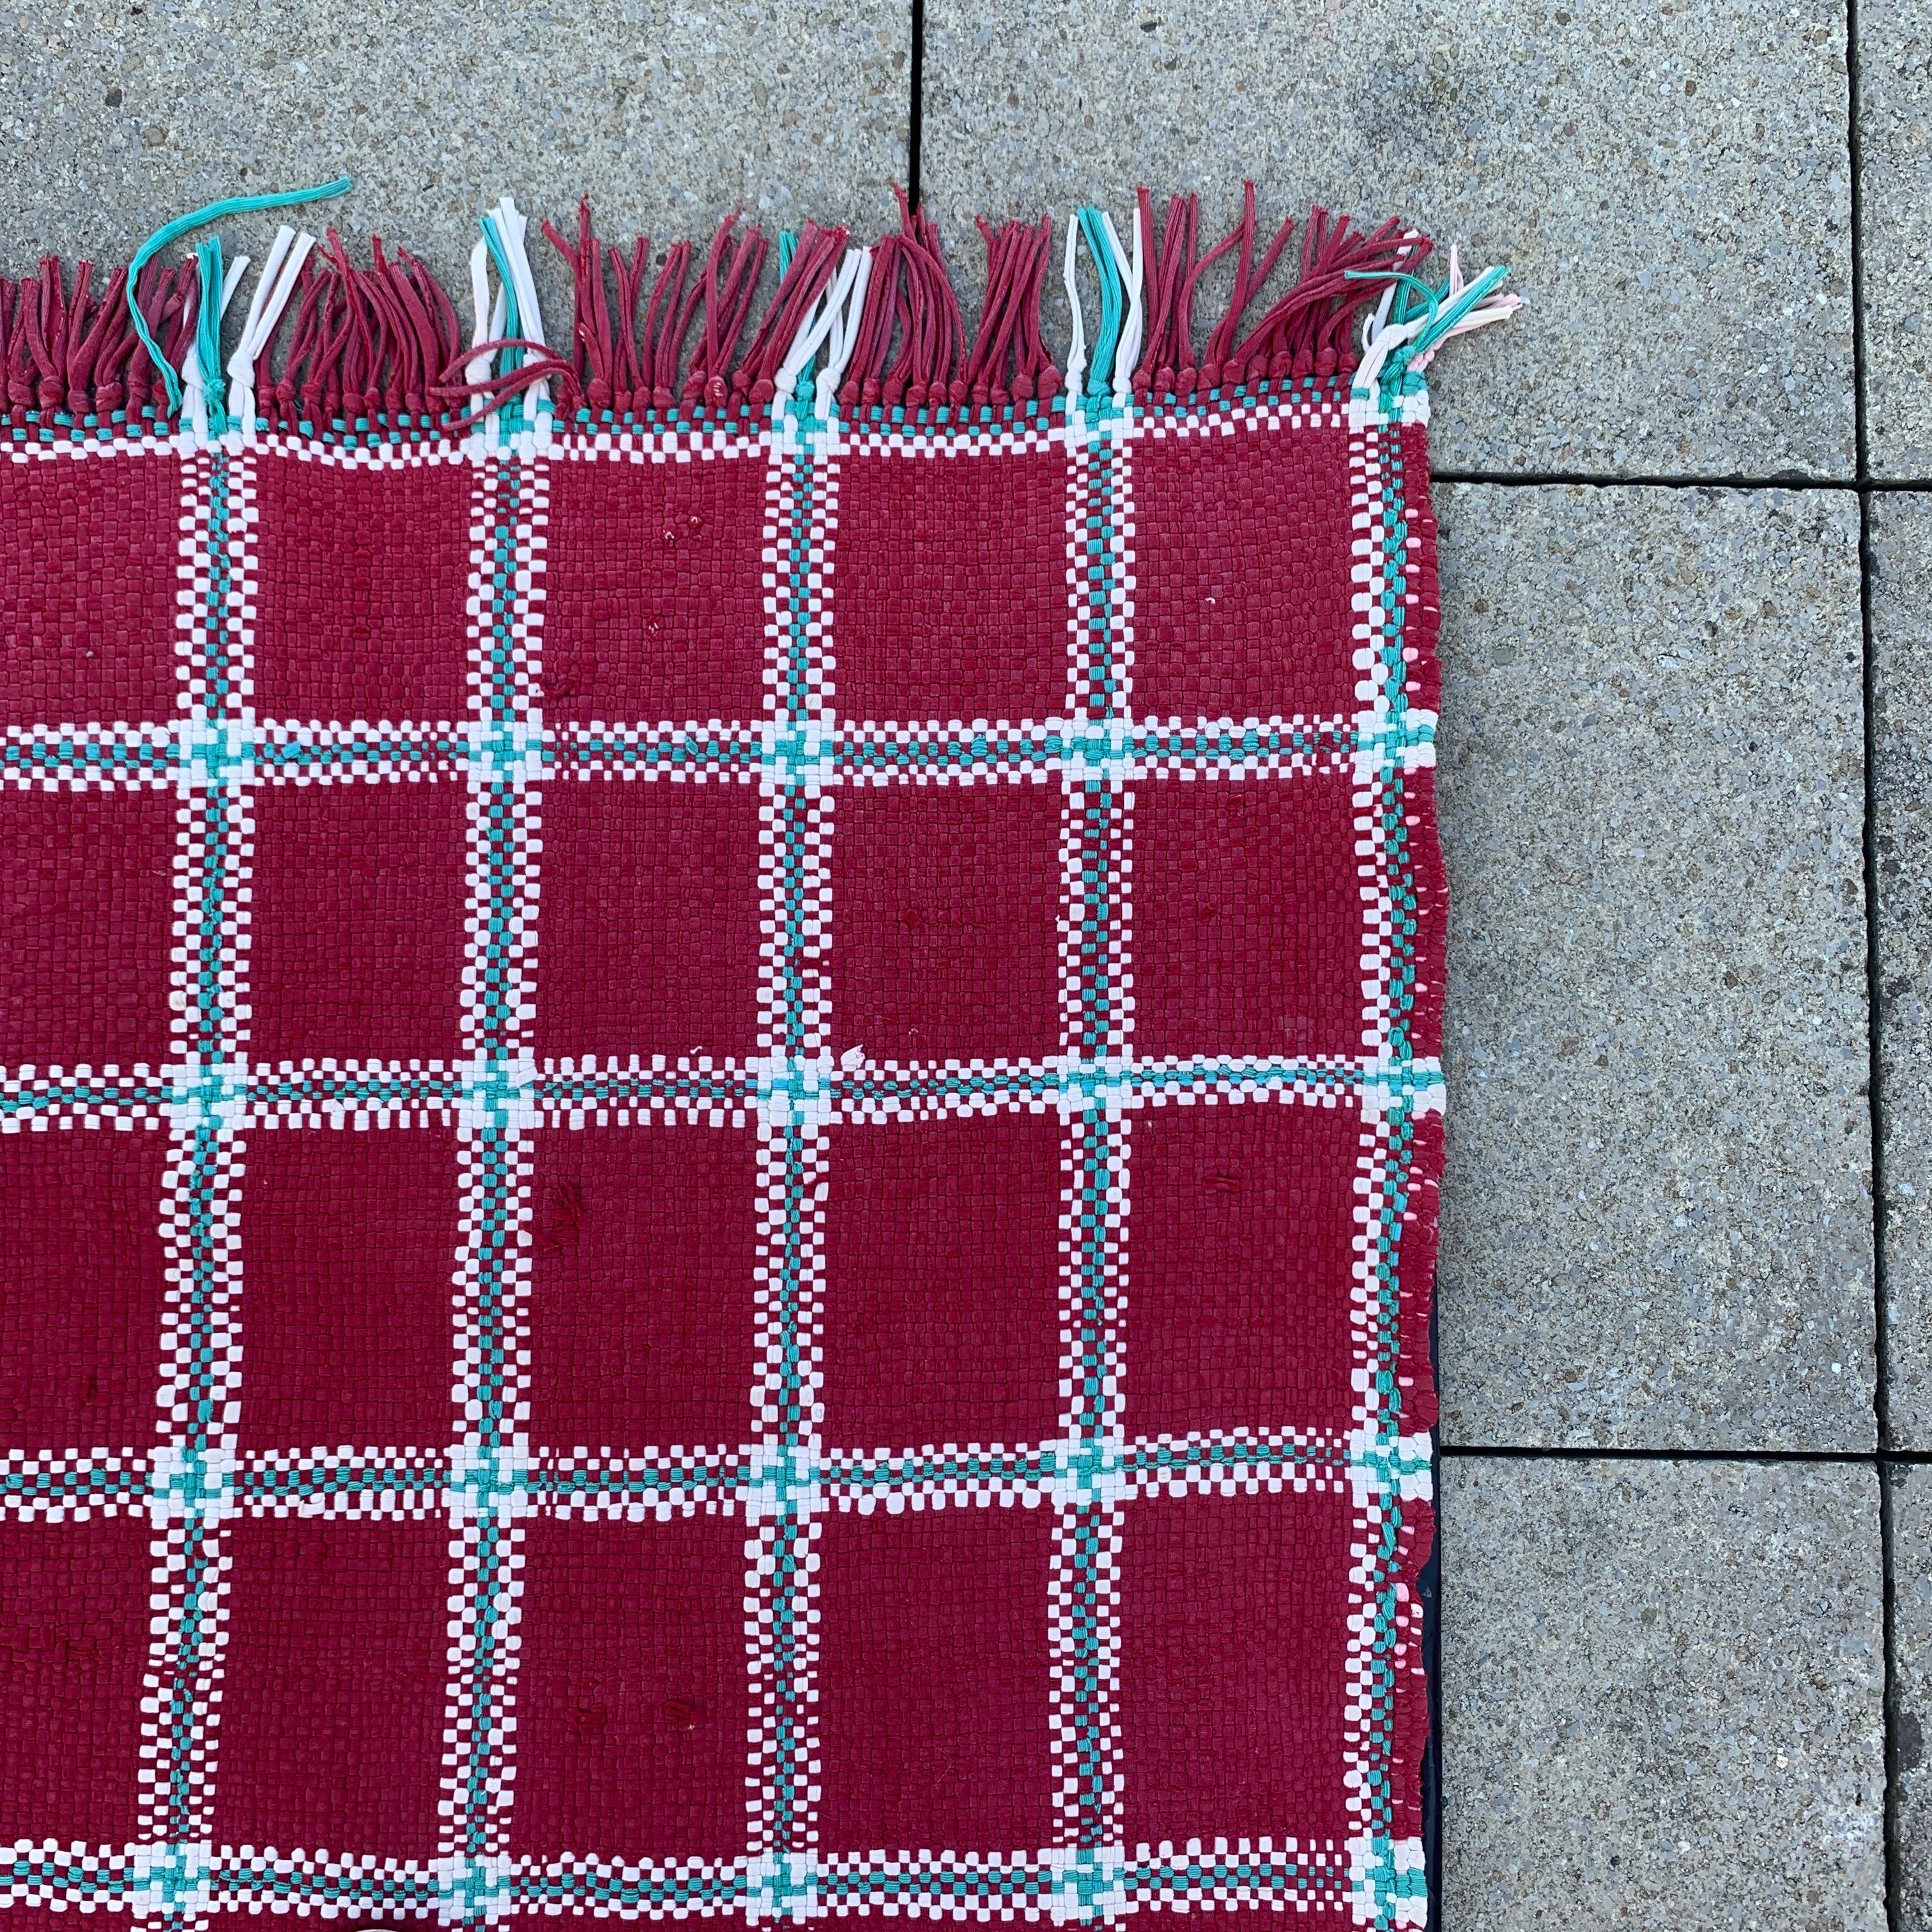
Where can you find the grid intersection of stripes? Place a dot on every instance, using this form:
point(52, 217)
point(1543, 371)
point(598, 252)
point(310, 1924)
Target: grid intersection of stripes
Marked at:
point(196, 1483)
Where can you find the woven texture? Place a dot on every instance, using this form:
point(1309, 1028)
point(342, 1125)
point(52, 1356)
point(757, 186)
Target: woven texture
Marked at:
point(720, 1169)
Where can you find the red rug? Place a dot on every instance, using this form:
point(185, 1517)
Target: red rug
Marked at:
point(720, 1068)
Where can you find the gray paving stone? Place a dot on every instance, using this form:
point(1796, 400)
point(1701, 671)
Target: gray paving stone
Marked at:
point(1669, 185)
point(1912, 1652)
point(1662, 1688)
point(1894, 100)
point(1657, 1224)
point(116, 119)
point(1902, 695)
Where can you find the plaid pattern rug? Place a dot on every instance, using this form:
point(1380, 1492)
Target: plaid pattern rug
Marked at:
point(721, 1141)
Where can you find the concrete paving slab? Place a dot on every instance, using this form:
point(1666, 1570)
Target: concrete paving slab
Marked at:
point(1656, 1223)
point(1911, 1656)
point(1669, 185)
point(1901, 526)
point(668, 115)
point(1894, 101)
point(1662, 1688)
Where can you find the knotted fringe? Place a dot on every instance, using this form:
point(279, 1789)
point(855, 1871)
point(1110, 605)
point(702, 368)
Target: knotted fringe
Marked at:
point(1307, 332)
point(78, 356)
point(910, 301)
point(1009, 333)
point(363, 343)
point(623, 365)
point(337, 345)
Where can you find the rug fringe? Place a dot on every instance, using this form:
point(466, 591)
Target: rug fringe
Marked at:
point(332, 346)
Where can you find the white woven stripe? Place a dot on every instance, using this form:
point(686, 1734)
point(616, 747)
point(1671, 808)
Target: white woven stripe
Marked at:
point(390, 1481)
point(191, 1469)
point(591, 1091)
point(1083, 1584)
point(1198, 1874)
point(1370, 449)
point(936, 751)
point(1370, 570)
point(486, 1500)
point(795, 830)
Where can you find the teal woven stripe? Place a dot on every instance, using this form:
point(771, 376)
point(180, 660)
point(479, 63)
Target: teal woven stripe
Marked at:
point(788, 1692)
point(492, 1163)
point(318, 1095)
point(656, 1089)
point(185, 1685)
point(488, 1483)
point(722, 1477)
point(738, 753)
point(68, 1877)
point(279, 754)
point(136, 1095)
point(1277, 1877)
point(318, 1479)
point(1097, 679)
point(668, 1887)
point(1385, 1892)
point(741, 753)
point(377, 1482)
point(961, 1469)
point(795, 701)
point(99, 754)
point(1235, 1457)
point(38, 1484)
point(319, 1092)
point(255, 1882)
point(946, 1884)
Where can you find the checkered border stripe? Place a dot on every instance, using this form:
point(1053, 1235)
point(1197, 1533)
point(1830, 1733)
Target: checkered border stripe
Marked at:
point(1244, 1872)
point(786, 1479)
point(189, 1500)
point(486, 1478)
point(277, 751)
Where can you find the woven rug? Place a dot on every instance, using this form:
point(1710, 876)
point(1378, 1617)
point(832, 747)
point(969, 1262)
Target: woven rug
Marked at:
point(719, 1058)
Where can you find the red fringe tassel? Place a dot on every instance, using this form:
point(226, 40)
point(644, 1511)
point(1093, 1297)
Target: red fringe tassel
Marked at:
point(1307, 332)
point(909, 299)
point(385, 342)
point(1016, 258)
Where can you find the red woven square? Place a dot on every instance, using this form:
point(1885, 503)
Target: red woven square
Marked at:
point(74, 1603)
point(651, 919)
point(949, 899)
point(353, 1241)
point(1243, 1224)
point(934, 1680)
point(654, 602)
point(1247, 918)
point(941, 1302)
point(630, 1731)
point(333, 1690)
point(87, 898)
point(358, 917)
point(1243, 593)
point(920, 540)
point(1233, 1624)
point(81, 1284)
point(641, 1285)
point(89, 564)
point(362, 591)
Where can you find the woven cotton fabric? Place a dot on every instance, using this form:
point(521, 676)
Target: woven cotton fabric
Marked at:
point(719, 1169)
